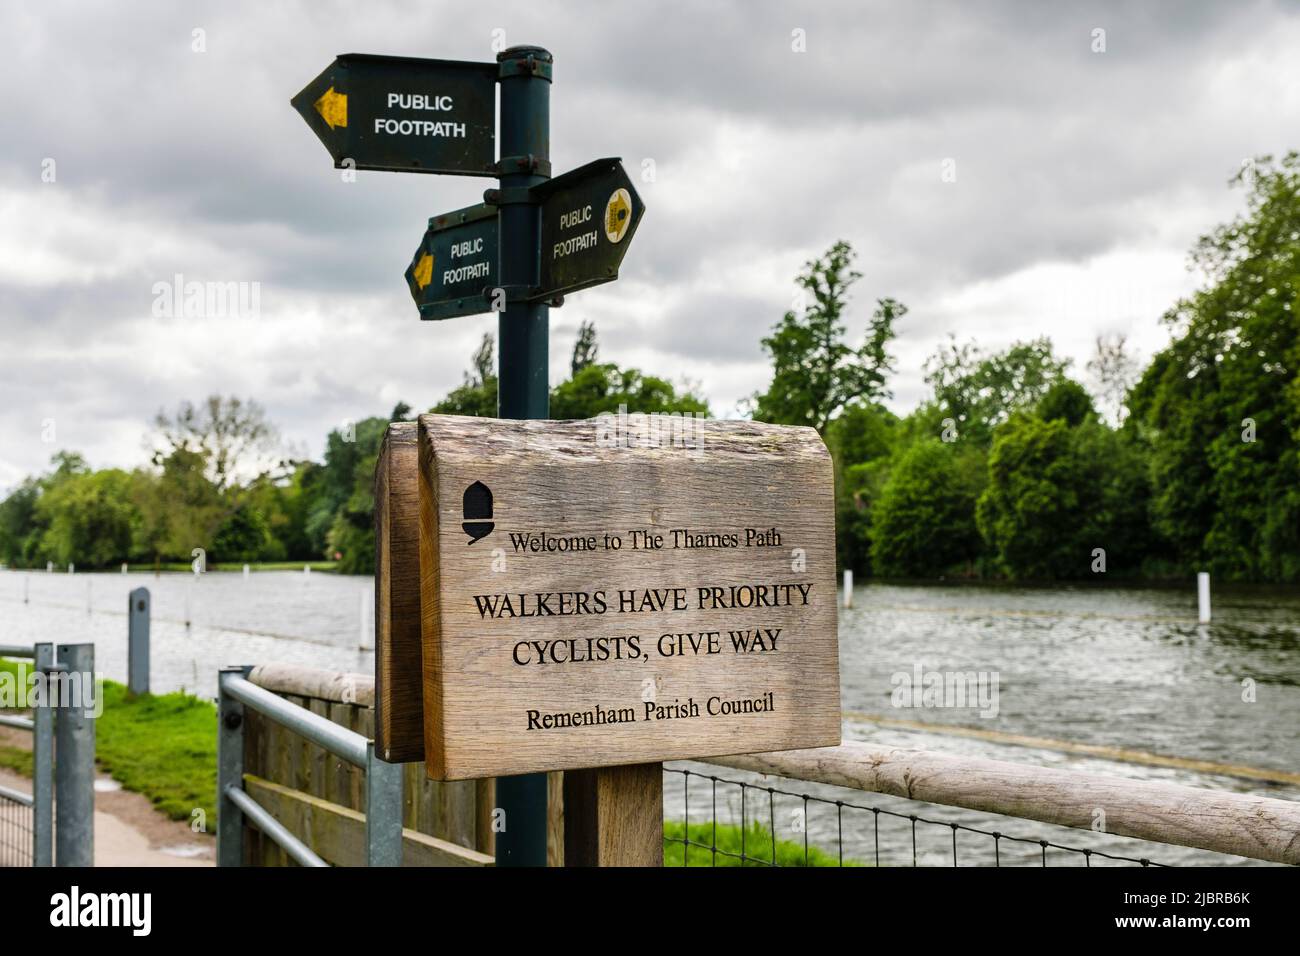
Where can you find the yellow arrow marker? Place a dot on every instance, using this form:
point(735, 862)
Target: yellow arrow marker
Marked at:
point(424, 271)
point(618, 215)
point(333, 108)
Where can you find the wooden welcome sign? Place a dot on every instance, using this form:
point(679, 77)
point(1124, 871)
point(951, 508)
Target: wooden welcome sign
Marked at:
point(622, 590)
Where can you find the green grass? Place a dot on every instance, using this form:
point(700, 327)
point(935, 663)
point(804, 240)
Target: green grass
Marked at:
point(163, 746)
point(757, 847)
point(16, 759)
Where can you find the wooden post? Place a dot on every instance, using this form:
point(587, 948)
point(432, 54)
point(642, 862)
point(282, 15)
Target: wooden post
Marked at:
point(614, 816)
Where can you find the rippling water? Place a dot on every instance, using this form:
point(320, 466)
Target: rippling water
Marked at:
point(317, 620)
point(1121, 667)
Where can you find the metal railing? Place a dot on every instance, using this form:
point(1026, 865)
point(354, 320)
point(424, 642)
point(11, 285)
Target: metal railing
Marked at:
point(383, 787)
point(57, 717)
point(912, 840)
point(866, 804)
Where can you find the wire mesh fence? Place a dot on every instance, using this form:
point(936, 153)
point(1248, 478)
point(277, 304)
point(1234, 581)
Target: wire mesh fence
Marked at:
point(16, 829)
point(713, 820)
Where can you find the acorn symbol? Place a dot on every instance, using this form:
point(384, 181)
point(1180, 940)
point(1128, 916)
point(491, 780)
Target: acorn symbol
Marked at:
point(478, 511)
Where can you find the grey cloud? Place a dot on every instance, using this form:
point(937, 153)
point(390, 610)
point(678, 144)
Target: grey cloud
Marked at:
point(1061, 155)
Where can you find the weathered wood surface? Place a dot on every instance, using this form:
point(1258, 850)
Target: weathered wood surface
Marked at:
point(614, 816)
point(338, 834)
point(340, 687)
point(458, 813)
point(555, 818)
point(399, 702)
point(487, 713)
point(1257, 827)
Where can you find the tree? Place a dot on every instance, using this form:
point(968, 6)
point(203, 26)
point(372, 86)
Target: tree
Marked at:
point(1031, 512)
point(1059, 491)
point(1068, 401)
point(18, 523)
point(1218, 410)
point(1114, 371)
point(233, 437)
point(352, 529)
point(89, 519)
point(23, 523)
point(861, 440)
point(245, 536)
point(924, 521)
point(978, 392)
point(815, 373)
point(184, 508)
point(584, 349)
point(603, 388)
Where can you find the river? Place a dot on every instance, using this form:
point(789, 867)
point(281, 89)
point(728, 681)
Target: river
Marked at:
point(1121, 667)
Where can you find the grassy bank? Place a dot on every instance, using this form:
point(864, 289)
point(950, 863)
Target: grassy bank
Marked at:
point(757, 845)
point(163, 746)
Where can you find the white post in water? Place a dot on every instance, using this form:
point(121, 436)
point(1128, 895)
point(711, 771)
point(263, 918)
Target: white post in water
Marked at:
point(72, 568)
point(245, 572)
point(848, 587)
point(1203, 595)
point(27, 580)
point(306, 570)
point(49, 567)
point(124, 567)
point(89, 581)
point(189, 592)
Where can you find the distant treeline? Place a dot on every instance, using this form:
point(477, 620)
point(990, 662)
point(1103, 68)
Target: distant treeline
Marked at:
point(217, 480)
point(1010, 467)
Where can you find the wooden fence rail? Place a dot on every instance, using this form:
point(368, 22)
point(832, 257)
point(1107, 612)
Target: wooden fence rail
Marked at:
point(460, 813)
point(1260, 828)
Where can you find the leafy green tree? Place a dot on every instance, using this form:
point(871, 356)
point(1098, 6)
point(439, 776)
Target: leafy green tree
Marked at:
point(604, 387)
point(18, 541)
point(351, 537)
point(185, 504)
point(1063, 498)
point(1219, 408)
point(861, 440)
point(815, 373)
point(923, 522)
point(245, 535)
point(977, 392)
point(1068, 401)
point(1117, 497)
point(1031, 511)
point(89, 518)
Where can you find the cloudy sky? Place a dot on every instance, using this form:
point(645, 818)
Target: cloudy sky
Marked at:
point(1081, 180)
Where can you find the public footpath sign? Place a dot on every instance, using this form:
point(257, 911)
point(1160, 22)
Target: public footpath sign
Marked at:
point(404, 114)
point(588, 218)
point(623, 590)
point(454, 270)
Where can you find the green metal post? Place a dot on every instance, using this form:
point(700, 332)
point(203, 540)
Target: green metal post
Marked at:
point(522, 341)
